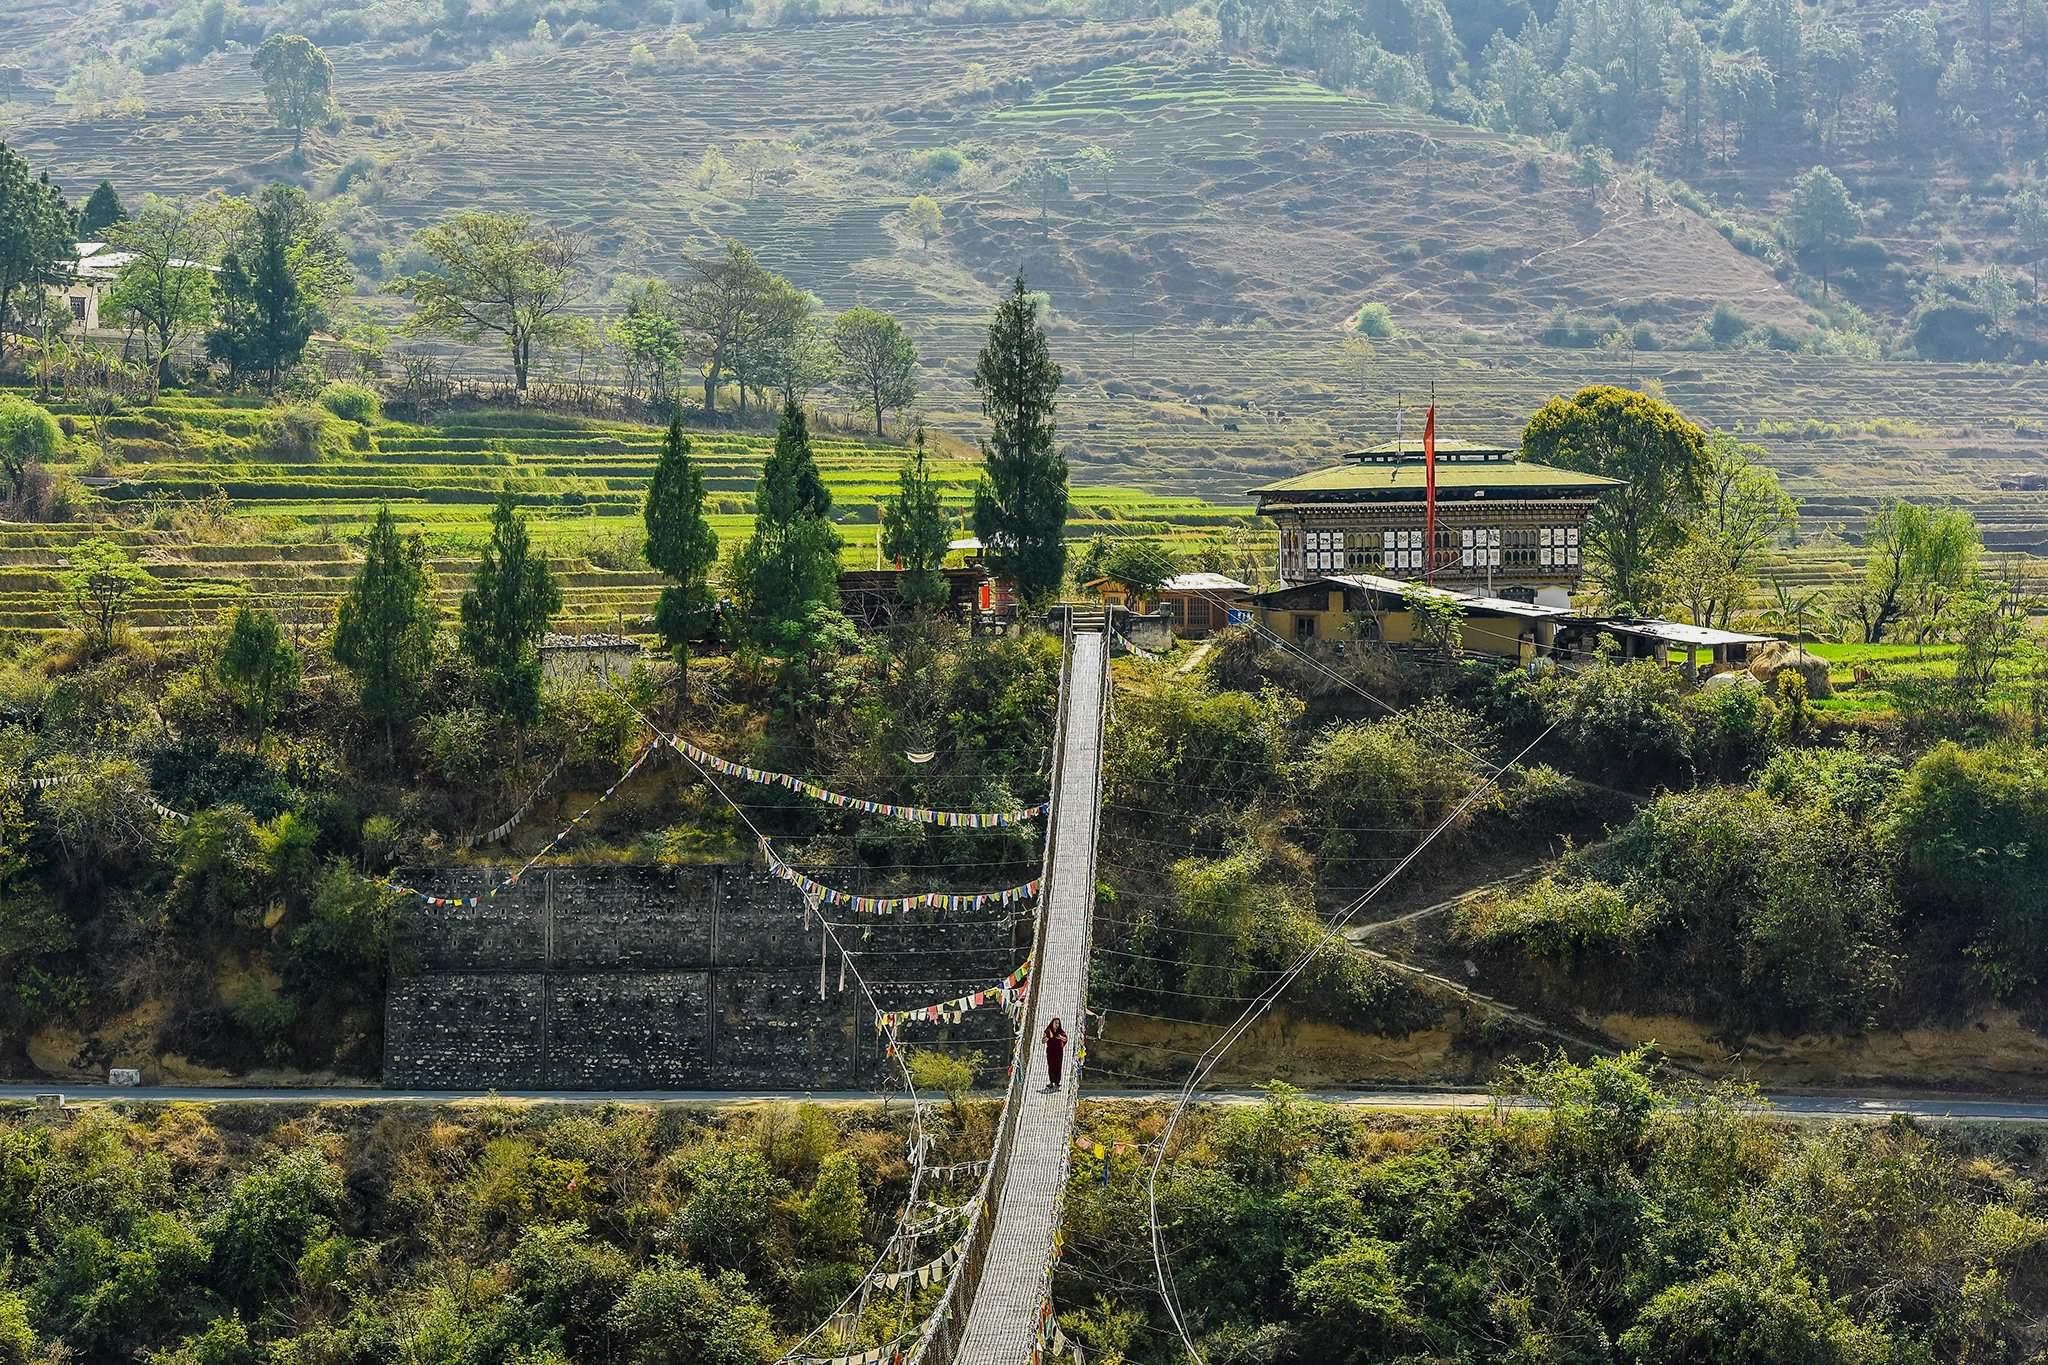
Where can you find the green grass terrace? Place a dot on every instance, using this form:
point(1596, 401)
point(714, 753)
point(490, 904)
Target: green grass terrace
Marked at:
point(200, 492)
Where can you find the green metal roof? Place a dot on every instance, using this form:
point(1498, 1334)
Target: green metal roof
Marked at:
point(1445, 445)
point(1367, 480)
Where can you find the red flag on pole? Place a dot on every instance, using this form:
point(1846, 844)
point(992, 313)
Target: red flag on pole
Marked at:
point(1429, 495)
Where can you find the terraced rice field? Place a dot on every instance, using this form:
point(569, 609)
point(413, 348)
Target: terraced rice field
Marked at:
point(293, 527)
point(1130, 87)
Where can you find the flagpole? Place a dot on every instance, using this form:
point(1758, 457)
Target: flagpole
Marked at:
point(1429, 489)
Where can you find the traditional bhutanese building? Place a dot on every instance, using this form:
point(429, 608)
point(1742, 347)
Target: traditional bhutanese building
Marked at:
point(1506, 526)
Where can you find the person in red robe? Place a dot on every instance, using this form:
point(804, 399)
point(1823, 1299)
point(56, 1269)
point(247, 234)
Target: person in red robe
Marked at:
point(1055, 1052)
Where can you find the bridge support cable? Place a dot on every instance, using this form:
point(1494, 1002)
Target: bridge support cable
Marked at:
point(1333, 933)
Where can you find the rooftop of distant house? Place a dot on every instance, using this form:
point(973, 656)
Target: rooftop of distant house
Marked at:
point(1462, 468)
point(97, 264)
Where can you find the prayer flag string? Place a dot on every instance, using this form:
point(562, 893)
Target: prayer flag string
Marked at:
point(1006, 992)
point(954, 901)
point(950, 819)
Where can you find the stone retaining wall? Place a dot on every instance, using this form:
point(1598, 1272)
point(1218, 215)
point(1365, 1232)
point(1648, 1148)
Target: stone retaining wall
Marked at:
point(634, 978)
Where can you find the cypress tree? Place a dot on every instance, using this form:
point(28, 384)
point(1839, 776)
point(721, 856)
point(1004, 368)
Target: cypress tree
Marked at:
point(914, 532)
point(102, 210)
point(790, 564)
point(1020, 509)
point(257, 666)
point(505, 615)
point(384, 627)
point(680, 544)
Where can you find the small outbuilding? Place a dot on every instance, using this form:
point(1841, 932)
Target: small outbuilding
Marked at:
point(1368, 609)
point(1676, 641)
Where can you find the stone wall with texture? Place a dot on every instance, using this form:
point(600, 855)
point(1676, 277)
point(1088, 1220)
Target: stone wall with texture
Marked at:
point(639, 978)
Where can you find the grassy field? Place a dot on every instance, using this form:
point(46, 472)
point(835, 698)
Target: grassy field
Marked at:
point(218, 516)
point(1200, 286)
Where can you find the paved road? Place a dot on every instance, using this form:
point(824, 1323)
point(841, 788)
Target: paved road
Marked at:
point(1788, 1104)
point(1004, 1313)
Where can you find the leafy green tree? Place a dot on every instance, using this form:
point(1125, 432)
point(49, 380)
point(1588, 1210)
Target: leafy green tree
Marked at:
point(1662, 460)
point(1020, 508)
point(650, 338)
point(925, 219)
point(1992, 292)
point(680, 544)
point(28, 437)
point(257, 667)
point(1915, 558)
point(298, 83)
point(496, 274)
point(1822, 217)
point(167, 284)
point(1835, 65)
point(787, 349)
point(915, 531)
point(1139, 566)
point(37, 246)
point(1743, 510)
point(102, 210)
point(267, 1219)
point(1593, 173)
point(505, 613)
point(1439, 620)
point(101, 576)
point(284, 268)
point(834, 1210)
point(1909, 47)
point(877, 362)
point(1098, 161)
point(719, 309)
point(1044, 183)
point(384, 626)
point(672, 1314)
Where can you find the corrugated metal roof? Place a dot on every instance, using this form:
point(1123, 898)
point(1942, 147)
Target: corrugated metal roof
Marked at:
point(1679, 633)
point(1203, 582)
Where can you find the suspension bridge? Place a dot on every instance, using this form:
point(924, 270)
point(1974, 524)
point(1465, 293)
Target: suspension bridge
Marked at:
point(1006, 1279)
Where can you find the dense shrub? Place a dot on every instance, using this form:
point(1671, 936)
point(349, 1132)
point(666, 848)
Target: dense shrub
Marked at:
point(1740, 905)
point(1972, 826)
point(303, 433)
point(351, 402)
point(1376, 321)
point(1185, 747)
point(1628, 716)
point(1403, 773)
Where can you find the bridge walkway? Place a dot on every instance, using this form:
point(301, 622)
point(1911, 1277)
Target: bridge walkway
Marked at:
point(1003, 1312)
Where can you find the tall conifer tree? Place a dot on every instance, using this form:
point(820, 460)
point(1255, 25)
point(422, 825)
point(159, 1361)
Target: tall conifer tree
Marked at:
point(914, 531)
point(791, 562)
point(505, 616)
point(1020, 509)
point(680, 544)
point(384, 627)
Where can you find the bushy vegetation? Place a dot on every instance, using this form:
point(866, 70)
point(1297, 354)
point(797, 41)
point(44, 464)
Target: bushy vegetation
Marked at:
point(1627, 1221)
point(1839, 891)
point(194, 1236)
point(1231, 817)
